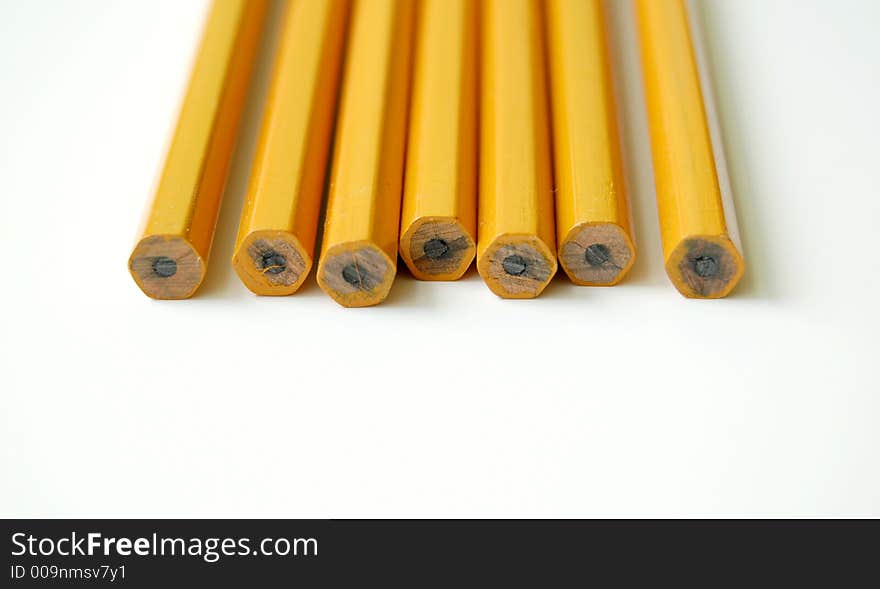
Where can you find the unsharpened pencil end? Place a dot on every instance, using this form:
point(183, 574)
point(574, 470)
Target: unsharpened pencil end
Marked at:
point(596, 254)
point(705, 267)
point(517, 266)
point(271, 263)
point(437, 248)
point(357, 274)
point(166, 267)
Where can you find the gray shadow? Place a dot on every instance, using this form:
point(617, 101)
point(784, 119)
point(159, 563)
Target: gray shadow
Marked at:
point(758, 279)
point(403, 292)
point(221, 280)
point(636, 146)
point(409, 291)
point(562, 288)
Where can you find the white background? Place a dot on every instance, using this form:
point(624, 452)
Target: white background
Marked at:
point(445, 400)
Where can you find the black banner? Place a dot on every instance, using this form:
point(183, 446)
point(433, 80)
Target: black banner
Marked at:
point(343, 553)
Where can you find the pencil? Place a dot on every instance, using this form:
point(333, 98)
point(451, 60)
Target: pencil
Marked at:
point(171, 256)
point(438, 220)
point(359, 250)
point(697, 220)
point(592, 214)
point(276, 237)
point(516, 242)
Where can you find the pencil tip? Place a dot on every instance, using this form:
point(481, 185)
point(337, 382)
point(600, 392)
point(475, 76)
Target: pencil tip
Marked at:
point(514, 265)
point(436, 249)
point(597, 254)
point(706, 266)
point(273, 262)
point(352, 275)
point(164, 267)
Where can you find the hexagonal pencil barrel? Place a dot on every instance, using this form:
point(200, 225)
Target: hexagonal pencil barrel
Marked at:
point(516, 244)
point(359, 249)
point(697, 221)
point(593, 226)
point(276, 237)
point(171, 256)
point(438, 221)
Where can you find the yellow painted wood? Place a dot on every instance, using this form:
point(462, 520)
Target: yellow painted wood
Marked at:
point(276, 238)
point(171, 256)
point(359, 250)
point(439, 216)
point(701, 259)
point(516, 242)
point(592, 214)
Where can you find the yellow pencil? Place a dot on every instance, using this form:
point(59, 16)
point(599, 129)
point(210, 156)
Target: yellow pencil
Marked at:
point(359, 250)
point(516, 243)
point(438, 221)
point(697, 221)
point(592, 214)
point(276, 238)
point(171, 256)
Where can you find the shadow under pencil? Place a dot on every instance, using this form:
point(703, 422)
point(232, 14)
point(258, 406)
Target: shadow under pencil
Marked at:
point(220, 279)
point(635, 147)
point(758, 279)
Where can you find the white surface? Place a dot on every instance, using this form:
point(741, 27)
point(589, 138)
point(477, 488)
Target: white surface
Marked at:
point(586, 402)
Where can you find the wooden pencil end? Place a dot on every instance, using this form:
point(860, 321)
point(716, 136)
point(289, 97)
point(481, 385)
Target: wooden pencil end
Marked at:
point(166, 267)
point(437, 248)
point(271, 263)
point(705, 266)
point(356, 274)
point(596, 254)
point(517, 266)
